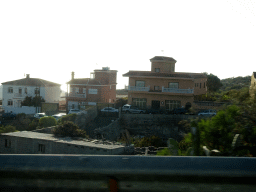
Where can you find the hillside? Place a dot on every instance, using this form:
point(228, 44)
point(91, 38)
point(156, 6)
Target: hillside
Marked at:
point(235, 83)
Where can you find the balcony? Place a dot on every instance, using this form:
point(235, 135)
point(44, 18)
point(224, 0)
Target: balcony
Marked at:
point(81, 95)
point(174, 90)
point(134, 88)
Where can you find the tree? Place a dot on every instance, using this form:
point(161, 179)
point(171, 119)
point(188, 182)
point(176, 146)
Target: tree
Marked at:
point(32, 101)
point(213, 82)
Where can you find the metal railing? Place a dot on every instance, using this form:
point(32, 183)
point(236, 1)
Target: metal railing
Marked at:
point(126, 173)
point(174, 90)
point(134, 88)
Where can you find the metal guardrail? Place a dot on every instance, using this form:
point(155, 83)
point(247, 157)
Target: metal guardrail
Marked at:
point(126, 173)
point(134, 88)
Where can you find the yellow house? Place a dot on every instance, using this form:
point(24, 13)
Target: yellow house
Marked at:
point(164, 88)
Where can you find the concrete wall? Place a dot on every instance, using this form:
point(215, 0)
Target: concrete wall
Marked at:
point(21, 145)
point(23, 109)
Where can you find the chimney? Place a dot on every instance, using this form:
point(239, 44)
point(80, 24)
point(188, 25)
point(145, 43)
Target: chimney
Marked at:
point(27, 76)
point(72, 75)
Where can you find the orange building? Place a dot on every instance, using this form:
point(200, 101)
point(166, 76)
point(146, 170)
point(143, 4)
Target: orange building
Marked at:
point(100, 88)
point(164, 88)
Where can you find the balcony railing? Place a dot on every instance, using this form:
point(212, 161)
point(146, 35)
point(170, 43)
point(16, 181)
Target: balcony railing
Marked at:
point(134, 88)
point(81, 95)
point(174, 90)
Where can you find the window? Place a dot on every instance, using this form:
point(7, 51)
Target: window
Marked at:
point(41, 148)
point(140, 102)
point(37, 91)
point(10, 103)
point(10, 90)
point(157, 70)
point(26, 90)
point(93, 91)
point(174, 85)
point(140, 84)
point(7, 143)
point(172, 104)
point(156, 88)
point(84, 90)
point(20, 90)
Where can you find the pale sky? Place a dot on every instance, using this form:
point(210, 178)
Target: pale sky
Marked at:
point(51, 38)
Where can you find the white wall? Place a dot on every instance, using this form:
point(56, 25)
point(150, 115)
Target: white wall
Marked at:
point(1, 92)
point(50, 94)
point(23, 109)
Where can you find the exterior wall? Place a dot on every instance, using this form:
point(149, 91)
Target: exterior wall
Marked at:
point(108, 94)
point(21, 145)
point(164, 67)
point(200, 87)
point(52, 94)
point(183, 83)
point(162, 98)
point(23, 109)
point(48, 93)
point(252, 88)
point(105, 77)
point(50, 108)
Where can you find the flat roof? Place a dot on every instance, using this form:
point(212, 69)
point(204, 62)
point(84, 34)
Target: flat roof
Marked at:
point(66, 140)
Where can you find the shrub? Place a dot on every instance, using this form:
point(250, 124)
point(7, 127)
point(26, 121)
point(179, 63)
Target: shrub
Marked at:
point(47, 122)
point(33, 125)
point(69, 129)
point(7, 129)
point(69, 117)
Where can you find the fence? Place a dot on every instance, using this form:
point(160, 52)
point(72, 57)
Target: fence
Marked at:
point(126, 173)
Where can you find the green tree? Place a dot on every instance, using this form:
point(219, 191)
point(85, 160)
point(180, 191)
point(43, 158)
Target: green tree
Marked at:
point(47, 122)
point(213, 82)
point(32, 101)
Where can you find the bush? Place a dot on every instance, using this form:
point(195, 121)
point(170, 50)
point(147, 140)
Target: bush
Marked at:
point(69, 129)
point(33, 125)
point(7, 129)
point(47, 122)
point(69, 117)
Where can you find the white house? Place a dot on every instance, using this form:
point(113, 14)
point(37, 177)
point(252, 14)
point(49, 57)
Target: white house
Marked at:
point(14, 92)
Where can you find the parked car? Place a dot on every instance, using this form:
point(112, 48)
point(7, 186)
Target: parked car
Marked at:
point(209, 112)
point(155, 111)
point(58, 116)
point(40, 115)
point(109, 110)
point(126, 108)
point(8, 116)
point(178, 111)
point(74, 111)
point(134, 109)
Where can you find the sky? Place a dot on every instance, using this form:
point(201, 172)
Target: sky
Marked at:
point(49, 39)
